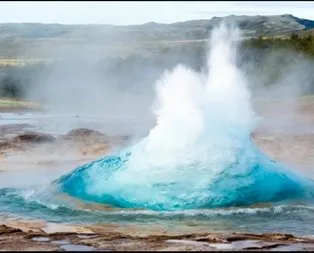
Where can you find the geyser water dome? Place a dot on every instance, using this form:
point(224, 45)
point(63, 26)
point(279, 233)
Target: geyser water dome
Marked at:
point(199, 154)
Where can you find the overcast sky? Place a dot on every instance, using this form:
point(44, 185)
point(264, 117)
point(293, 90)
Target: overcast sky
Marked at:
point(132, 12)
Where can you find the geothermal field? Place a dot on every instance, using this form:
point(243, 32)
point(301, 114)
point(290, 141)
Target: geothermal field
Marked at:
point(211, 169)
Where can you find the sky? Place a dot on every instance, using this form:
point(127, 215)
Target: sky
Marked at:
point(139, 12)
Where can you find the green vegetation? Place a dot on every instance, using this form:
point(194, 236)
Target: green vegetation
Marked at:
point(7, 103)
point(140, 69)
point(295, 43)
point(15, 80)
point(35, 55)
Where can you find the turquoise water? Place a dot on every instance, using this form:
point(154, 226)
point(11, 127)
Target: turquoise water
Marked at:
point(289, 217)
point(263, 180)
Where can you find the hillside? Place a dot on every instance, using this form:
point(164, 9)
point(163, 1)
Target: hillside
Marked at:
point(43, 41)
point(41, 62)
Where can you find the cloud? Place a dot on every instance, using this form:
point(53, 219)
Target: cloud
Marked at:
point(226, 13)
point(135, 12)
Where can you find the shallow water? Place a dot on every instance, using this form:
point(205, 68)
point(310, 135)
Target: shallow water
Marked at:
point(41, 239)
point(293, 218)
point(74, 247)
point(61, 123)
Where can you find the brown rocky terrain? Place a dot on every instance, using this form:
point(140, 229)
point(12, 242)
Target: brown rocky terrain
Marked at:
point(36, 237)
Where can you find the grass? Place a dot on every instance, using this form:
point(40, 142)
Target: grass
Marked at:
point(307, 97)
point(11, 103)
point(21, 62)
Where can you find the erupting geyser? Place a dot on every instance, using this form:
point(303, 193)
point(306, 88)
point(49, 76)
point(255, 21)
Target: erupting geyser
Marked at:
point(200, 153)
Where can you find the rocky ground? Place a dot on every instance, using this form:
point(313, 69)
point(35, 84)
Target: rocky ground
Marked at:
point(76, 147)
point(35, 237)
point(83, 145)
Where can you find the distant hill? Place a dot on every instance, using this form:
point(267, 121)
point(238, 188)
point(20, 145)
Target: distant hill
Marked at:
point(34, 40)
point(194, 29)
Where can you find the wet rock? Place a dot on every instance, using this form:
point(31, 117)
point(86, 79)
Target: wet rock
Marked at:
point(92, 136)
point(91, 142)
point(27, 138)
point(15, 239)
point(23, 140)
point(84, 134)
point(8, 230)
point(266, 237)
point(33, 137)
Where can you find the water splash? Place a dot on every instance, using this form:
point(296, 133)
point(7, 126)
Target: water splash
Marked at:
point(199, 154)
